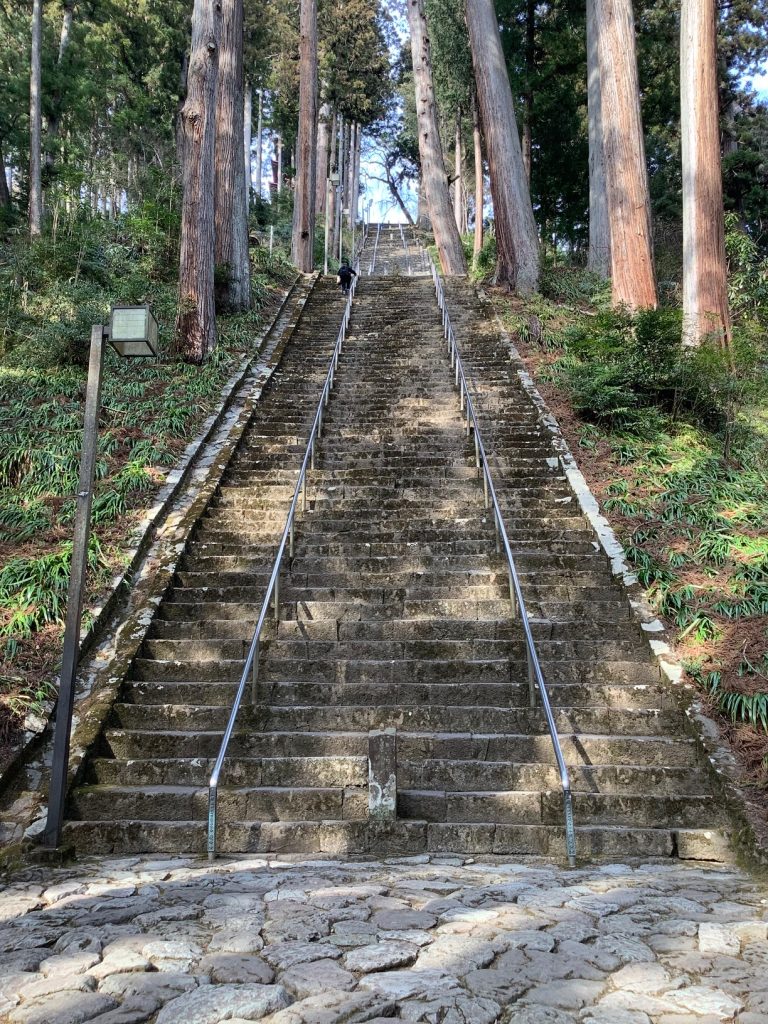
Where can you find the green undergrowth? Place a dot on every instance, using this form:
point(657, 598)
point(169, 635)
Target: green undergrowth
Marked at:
point(50, 294)
point(675, 446)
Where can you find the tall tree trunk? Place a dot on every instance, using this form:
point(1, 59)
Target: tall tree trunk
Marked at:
point(5, 195)
point(196, 322)
point(705, 277)
point(626, 173)
point(433, 172)
point(303, 240)
point(457, 183)
point(35, 123)
point(279, 164)
point(248, 139)
point(233, 291)
point(330, 204)
point(258, 169)
point(323, 136)
point(356, 177)
point(530, 67)
point(517, 241)
point(340, 167)
point(351, 154)
point(422, 208)
point(479, 183)
point(54, 120)
point(599, 258)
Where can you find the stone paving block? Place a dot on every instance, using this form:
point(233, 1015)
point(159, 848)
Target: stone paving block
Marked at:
point(565, 994)
point(212, 1004)
point(232, 968)
point(63, 1008)
point(311, 979)
point(284, 955)
point(718, 938)
point(703, 999)
point(133, 1011)
point(539, 1015)
point(382, 956)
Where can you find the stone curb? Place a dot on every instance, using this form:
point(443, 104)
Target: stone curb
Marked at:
point(722, 766)
point(154, 521)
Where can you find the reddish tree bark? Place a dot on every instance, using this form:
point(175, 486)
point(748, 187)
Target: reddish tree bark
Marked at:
point(705, 276)
point(626, 173)
point(433, 173)
point(233, 292)
point(196, 321)
point(516, 236)
point(303, 238)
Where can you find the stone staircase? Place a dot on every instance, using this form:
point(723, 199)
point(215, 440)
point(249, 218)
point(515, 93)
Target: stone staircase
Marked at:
point(393, 249)
point(395, 615)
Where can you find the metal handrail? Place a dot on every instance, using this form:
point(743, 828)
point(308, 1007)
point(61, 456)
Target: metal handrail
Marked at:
point(372, 265)
point(535, 676)
point(273, 587)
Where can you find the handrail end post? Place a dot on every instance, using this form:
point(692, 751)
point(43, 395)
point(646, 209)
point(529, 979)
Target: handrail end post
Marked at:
point(570, 830)
point(212, 801)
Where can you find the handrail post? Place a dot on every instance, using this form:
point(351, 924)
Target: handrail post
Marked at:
point(276, 595)
point(512, 594)
point(531, 680)
point(213, 793)
point(255, 673)
point(570, 831)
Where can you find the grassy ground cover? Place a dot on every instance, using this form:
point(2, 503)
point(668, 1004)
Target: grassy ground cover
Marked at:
point(50, 294)
point(675, 449)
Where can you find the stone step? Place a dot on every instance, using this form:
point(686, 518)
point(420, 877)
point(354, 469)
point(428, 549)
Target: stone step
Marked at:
point(177, 608)
point(325, 772)
point(227, 571)
point(337, 839)
point(186, 803)
point(439, 718)
point(322, 651)
point(242, 627)
point(434, 775)
point(593, 749)
point(562, 695)
point(546, 807)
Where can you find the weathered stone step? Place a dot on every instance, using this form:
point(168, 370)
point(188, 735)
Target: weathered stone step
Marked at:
point(450, 776)
point(242, 627)
point(321, 651)
point(186, 803)
point(177, 609)
point(546, 807)
point(504, 776)
point(593, 749)
point(229, 571)
point(302, 694)
point(342, 718)
point(336, 839)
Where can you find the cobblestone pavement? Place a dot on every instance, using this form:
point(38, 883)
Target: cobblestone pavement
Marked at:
point(437, 940)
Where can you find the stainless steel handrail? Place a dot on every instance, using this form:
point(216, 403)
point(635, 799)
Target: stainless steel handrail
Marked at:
point(273, 587)
point(535, 675)
point(372, 265)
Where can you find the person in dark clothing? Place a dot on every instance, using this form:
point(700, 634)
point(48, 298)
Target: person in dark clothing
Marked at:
point(345, 275)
